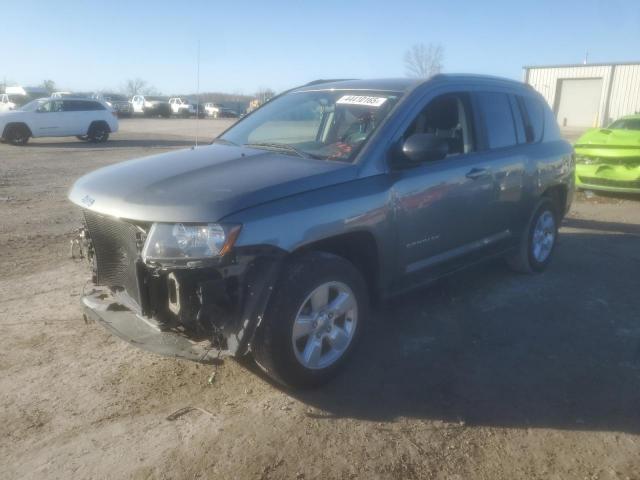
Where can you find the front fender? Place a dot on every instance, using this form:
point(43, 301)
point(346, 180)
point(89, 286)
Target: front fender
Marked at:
point(291, 223)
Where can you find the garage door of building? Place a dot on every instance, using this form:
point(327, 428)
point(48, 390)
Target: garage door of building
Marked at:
point(579, 102)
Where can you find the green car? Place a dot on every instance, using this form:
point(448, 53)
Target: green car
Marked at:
point(609, 158)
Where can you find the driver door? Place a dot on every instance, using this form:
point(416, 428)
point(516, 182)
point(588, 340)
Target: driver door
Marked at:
point(440, 205)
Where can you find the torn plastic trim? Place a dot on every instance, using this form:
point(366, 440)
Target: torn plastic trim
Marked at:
point(252, 272)
point(100, 306)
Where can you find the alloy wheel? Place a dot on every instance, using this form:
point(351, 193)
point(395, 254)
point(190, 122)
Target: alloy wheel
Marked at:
point(325, 325)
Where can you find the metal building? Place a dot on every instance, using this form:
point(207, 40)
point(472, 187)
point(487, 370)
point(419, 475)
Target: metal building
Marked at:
point(590, 95)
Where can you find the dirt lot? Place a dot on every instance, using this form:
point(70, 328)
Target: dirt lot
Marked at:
point(485, 375)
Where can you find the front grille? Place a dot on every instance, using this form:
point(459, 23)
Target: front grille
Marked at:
point(117, 249)
point(605, 182)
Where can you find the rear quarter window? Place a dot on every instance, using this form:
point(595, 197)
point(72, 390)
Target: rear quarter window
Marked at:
point(93, 106)
point(534, 117)
point(497, 117)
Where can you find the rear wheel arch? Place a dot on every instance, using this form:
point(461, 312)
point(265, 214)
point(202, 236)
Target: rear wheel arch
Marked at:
point(98, 131)
point(99, 123)
point(558, 195)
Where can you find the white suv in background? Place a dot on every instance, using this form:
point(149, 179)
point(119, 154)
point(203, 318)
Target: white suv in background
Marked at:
point(84, 118)
point(6, 103)
point(212, 110)
point(182, 107)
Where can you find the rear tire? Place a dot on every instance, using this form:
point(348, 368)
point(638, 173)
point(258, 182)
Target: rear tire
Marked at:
point(538, 243)
point(307, 335)
point(17, 135)
point(98, 133)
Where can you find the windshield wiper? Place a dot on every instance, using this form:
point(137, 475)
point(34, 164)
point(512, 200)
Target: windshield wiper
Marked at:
point(284, 147)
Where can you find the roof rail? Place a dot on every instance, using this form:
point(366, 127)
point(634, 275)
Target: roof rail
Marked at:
point(326, 80)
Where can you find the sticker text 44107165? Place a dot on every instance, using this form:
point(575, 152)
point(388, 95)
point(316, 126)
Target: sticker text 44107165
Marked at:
point(361, 100)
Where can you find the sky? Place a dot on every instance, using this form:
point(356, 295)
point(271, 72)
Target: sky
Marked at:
point(249, 45)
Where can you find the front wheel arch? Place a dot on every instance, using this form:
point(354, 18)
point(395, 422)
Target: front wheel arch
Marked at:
point(272, 349)
point(8, 126)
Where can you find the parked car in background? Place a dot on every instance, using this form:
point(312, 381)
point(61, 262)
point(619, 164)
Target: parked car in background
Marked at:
point(15, 97)
point(212, 110)
point(224, 112)
point(273, 239)
point(609, 158)
point(151, 105)
point(84, 118)
point(118, 102)
point(6, 103)
point(198, 107)
point(182, 107)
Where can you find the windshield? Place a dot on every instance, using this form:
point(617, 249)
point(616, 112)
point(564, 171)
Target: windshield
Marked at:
point(321, 124)
point(33, 105)
point(21, 100)
point(626, 124)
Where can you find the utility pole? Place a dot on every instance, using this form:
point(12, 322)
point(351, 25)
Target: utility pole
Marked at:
point(198, 92)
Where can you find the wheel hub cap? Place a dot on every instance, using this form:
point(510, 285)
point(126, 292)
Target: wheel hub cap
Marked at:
point(325, 325)
point(544, 235)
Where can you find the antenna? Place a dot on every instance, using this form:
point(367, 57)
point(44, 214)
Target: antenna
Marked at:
point(198, 93)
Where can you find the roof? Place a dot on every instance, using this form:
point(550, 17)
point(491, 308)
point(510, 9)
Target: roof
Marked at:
point(388, 84)
point(576, 65)
point(402, 84)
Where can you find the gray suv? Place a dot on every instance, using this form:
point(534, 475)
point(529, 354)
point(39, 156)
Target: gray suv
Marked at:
point(273, 240)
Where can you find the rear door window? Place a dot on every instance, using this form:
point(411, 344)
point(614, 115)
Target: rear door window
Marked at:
point(72, 106)
point(497, 118)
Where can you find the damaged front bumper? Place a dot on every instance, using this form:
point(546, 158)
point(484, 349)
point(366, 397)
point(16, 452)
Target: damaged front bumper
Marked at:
point(196, 312)
point(608, 173)
point(102, 307)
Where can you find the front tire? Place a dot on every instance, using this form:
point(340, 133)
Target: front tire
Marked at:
point(314, 320)
point(538, 243)
point(17, 135)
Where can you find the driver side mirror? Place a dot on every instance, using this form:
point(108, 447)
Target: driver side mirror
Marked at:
point(424, 147)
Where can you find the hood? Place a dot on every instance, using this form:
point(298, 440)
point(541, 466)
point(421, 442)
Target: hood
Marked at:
point(10, 114)
point(203, 184)
point(604, 137)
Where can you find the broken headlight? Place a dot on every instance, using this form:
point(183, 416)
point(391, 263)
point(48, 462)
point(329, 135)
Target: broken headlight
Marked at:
point(182, 241)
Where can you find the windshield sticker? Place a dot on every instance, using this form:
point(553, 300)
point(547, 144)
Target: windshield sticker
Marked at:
point(362, 100)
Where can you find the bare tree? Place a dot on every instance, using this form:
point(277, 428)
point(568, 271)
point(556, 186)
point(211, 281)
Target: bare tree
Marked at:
point(137, 86)
point(264, 95)
point(423, 61)
point(49, 85)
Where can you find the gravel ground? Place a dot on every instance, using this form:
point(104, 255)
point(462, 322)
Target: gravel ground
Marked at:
point(486, 374)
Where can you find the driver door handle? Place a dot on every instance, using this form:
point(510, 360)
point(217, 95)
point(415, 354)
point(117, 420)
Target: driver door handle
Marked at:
point(476, 173)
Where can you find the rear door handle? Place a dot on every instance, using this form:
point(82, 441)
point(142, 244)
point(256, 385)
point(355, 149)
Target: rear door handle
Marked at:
point(476, 173)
